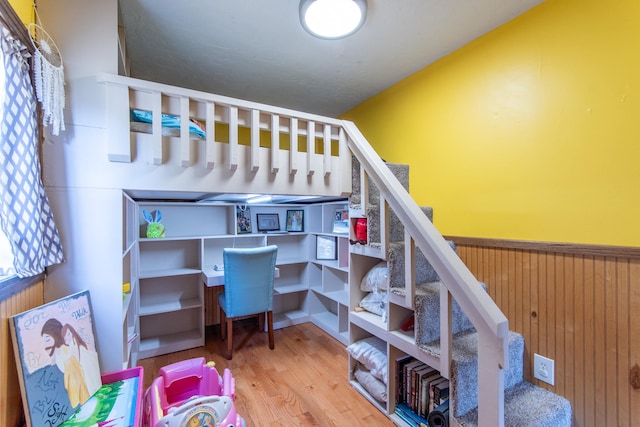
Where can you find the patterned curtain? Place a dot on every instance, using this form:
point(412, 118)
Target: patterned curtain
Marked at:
point(25, 215)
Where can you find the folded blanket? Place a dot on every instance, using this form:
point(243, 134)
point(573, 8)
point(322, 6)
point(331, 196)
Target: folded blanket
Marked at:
point(195, 127)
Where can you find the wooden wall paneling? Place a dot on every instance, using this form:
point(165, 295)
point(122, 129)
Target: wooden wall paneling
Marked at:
point(589, 403)
point(11, 412)
point(599, 344)
point(577, 298)
point(622, 346)
point(610, 339)
point(586, 301)
point(634, 331)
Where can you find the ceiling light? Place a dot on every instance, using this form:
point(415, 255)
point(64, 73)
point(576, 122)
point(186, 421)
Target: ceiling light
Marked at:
point(332, 19)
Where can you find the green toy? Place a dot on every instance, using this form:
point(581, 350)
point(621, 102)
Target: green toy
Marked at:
point(155, 229)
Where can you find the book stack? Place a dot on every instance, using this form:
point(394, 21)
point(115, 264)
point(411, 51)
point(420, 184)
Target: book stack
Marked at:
point(420, 390)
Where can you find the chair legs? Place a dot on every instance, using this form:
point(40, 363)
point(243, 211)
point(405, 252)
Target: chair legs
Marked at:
point(270, 329)
point(226, 331)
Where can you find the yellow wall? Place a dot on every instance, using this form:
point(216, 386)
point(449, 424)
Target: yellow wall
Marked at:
point(24, 9)
point(531, 132)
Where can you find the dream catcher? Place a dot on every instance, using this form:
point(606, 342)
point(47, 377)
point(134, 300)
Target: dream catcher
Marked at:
point(49, 77)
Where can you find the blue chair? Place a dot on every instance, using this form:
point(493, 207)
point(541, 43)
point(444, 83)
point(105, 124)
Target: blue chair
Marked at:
point(248, 289)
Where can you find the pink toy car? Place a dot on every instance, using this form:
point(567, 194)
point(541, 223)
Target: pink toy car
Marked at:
point(191, 393)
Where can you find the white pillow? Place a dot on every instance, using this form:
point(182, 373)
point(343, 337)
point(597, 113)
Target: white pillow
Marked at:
point(372, 353)
point(374, 386)
point(375, 302)
point(376, 279)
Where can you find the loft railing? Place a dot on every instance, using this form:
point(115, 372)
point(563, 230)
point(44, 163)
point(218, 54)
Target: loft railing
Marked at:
point(314, 144)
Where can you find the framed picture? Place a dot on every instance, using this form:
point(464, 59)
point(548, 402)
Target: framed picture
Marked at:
point(268, 222)
point(326, 247)
point(243, 219)
point(56, 358)
point(295, 220)
point(341, 221)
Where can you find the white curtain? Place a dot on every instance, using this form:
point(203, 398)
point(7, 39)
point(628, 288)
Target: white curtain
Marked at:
point(25, 214)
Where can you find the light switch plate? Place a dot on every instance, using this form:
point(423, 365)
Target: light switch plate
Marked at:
point(543, 369)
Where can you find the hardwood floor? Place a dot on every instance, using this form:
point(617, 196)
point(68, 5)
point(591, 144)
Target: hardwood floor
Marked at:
point(302, 382)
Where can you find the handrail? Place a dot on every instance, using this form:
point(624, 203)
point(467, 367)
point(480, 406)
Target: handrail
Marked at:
point(487, 318)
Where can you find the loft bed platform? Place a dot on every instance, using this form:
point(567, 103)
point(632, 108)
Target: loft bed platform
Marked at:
point(192, 140)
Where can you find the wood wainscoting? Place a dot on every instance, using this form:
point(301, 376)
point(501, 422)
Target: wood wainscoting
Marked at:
point(26, 295)
point(576, 304)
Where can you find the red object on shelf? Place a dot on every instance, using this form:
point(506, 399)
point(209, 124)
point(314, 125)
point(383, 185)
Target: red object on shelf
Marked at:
point(361, 230)
point(408, 324)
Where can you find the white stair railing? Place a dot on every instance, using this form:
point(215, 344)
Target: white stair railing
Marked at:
point(491, 324)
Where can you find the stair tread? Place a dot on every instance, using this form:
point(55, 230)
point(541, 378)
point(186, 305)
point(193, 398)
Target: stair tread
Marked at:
point(526, 404)
point(464, 368)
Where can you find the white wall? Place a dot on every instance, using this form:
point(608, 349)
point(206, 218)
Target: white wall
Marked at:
point(89, 218)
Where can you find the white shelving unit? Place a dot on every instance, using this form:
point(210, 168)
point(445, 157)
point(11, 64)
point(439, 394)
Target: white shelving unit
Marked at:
point(363, 324)
point(168, 304)
point(130, 323)
point(329, 278)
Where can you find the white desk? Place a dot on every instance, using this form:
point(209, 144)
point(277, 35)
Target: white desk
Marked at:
point(212, 277)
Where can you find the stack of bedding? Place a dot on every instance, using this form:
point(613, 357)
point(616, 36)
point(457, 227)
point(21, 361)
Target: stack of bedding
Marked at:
point(370, 369)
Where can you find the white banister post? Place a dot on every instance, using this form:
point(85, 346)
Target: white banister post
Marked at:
point(446, 332)
point(119, 137)
point(275, 143)
point(311, 146)
point(409, 269)
point(346, 163)
point(210, 125)
point(185, 136)
point(255, 140)
point(293, 146)
point(490, 382)
point(156, 127)
point(233, 137)
point(326, 139)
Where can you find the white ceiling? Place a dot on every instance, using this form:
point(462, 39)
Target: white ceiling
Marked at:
point(257, 49)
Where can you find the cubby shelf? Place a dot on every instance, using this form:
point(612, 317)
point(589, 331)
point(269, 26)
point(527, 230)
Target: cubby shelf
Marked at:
point(172, 272)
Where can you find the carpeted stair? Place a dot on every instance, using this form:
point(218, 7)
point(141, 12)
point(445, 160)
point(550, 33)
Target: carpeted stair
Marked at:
point(525, 404)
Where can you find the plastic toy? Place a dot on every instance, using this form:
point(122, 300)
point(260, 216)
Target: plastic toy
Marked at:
point(155, 229)
point(191, 393)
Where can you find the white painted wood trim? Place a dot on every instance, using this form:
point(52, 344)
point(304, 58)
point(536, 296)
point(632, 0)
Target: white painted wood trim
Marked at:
point(185, 136)
point(233, 137)
point(255, 140)
point(156, 126)
point(210, 128)
point(446, 332)
point(311, 146)
point(275, 143)
point(293, 147)
point(118, 128)
point(326, 139)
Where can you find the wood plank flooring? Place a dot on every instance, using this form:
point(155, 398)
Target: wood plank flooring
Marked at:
point(302, 382)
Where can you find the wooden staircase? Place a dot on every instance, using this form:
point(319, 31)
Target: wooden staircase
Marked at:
point(524, 403)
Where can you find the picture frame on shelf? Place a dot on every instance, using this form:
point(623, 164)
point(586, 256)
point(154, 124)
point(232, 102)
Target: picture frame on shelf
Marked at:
point(326, 247)
point(341, 221)
point(295, 220)
point(243, 219)
point(268, 222)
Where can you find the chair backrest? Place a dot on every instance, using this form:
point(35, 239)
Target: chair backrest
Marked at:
point(248, 280)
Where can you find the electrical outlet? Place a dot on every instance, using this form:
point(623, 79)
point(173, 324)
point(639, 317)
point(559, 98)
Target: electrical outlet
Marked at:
point(543, 368)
